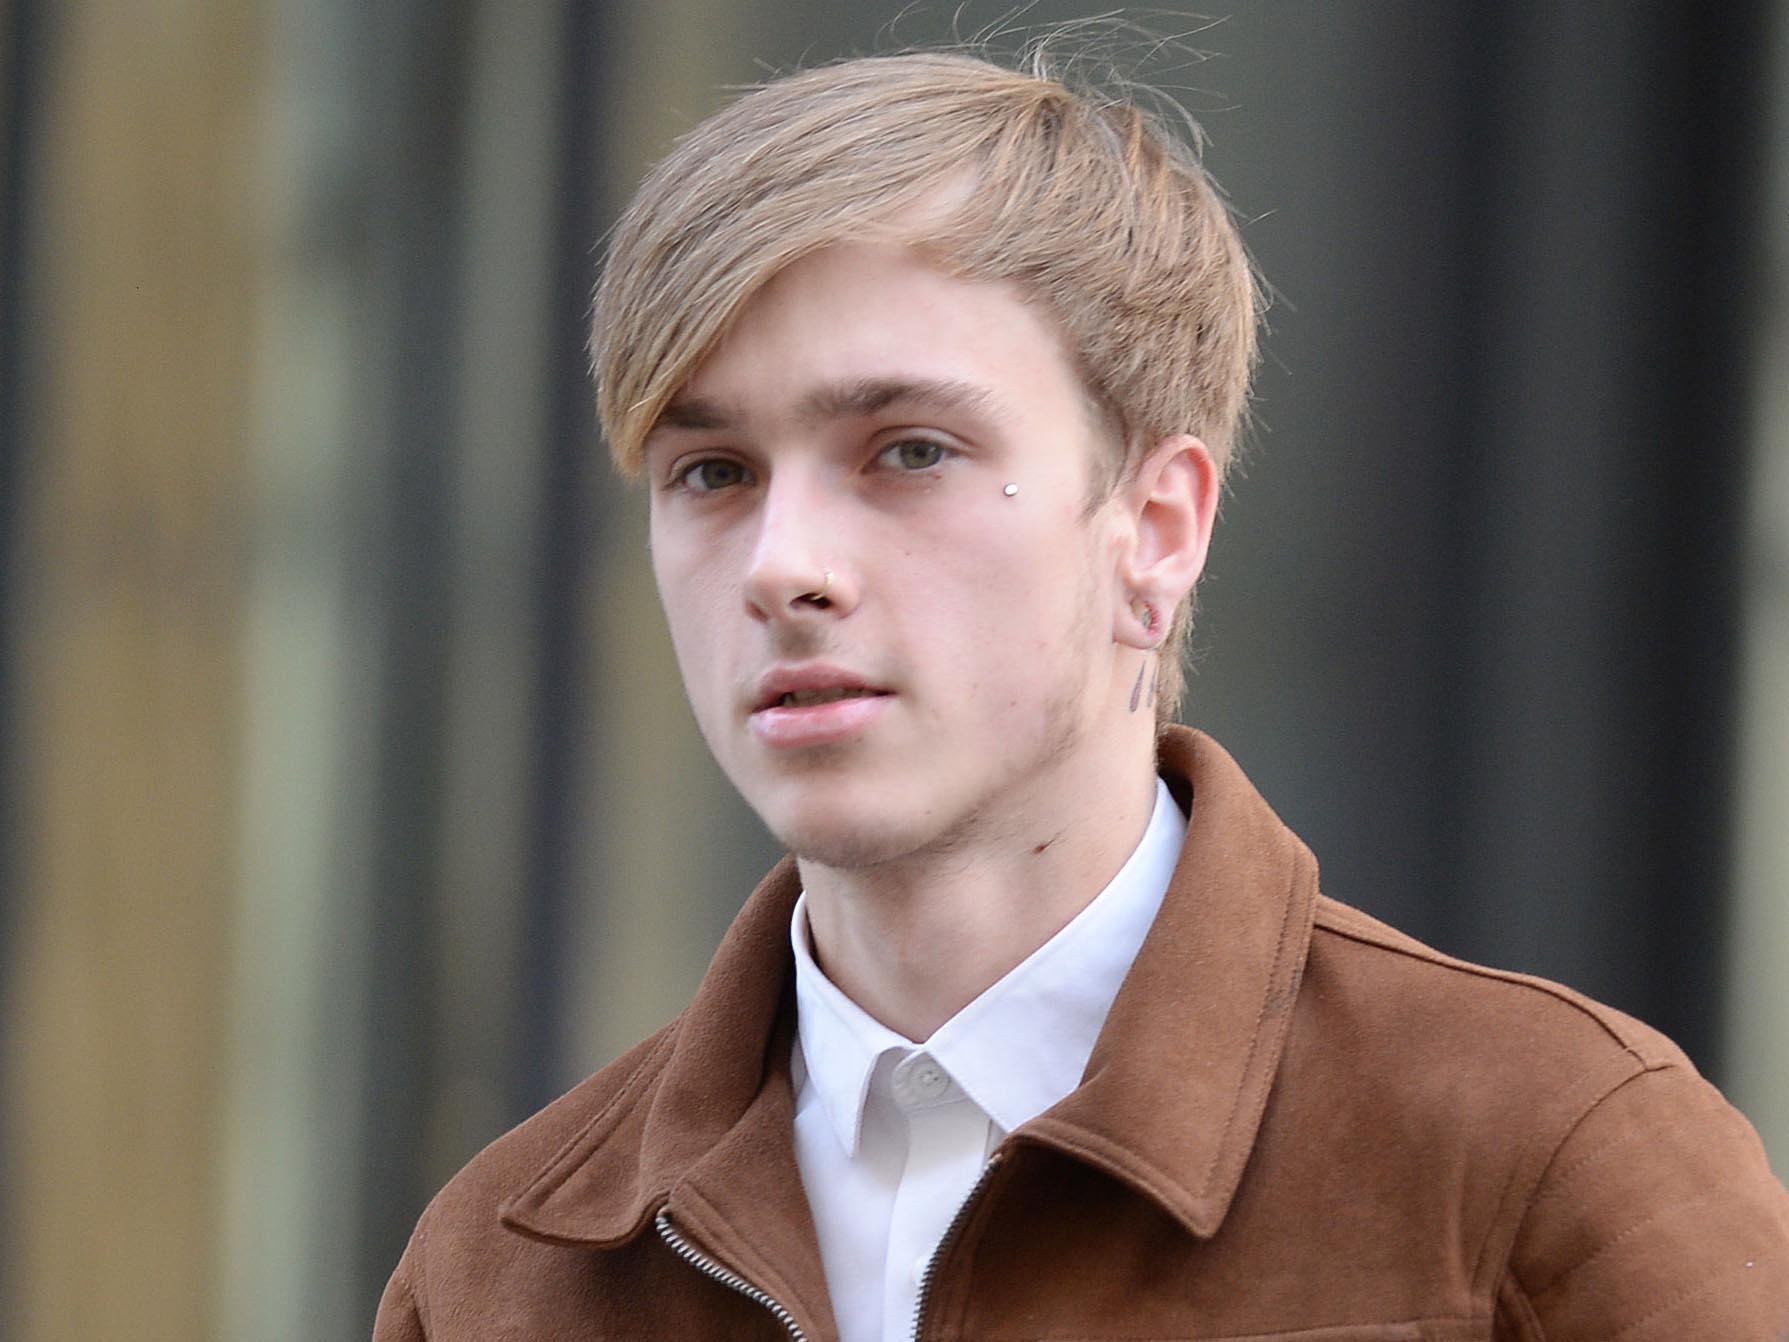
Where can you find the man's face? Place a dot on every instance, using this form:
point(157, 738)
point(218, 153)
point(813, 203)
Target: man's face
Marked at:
point(865, 418)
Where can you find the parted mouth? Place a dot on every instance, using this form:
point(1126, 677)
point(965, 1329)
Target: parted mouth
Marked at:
point(810, 686)
point(808, 698)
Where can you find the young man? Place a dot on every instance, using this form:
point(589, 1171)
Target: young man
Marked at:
point(932, 370)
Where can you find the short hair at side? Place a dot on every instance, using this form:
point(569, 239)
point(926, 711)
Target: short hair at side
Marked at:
point(1088, 203)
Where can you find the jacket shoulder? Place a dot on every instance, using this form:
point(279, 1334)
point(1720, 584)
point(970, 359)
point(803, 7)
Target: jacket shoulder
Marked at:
point(1618, 1193)
point(1558, 1019)
point(1471, 1065)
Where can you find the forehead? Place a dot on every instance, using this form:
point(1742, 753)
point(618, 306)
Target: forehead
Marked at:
point(835, 331)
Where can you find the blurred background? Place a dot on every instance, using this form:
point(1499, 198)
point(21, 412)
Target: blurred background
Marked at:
point(349, 806)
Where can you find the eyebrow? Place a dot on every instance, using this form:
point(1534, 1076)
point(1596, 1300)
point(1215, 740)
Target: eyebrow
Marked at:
point(853, 399)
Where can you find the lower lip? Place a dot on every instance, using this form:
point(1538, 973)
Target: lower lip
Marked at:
point(818, 724)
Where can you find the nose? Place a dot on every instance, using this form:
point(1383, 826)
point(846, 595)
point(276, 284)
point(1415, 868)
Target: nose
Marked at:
point(796, 570)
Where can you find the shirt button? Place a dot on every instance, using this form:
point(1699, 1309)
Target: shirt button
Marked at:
point(918, 1079)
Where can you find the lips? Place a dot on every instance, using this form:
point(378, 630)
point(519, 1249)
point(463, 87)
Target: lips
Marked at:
point(814, 705)
point(808, 685)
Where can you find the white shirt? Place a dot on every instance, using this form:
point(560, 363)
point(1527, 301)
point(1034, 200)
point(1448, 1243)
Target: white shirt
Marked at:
point(891, 1136)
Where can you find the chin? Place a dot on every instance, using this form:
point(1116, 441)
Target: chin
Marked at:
point(843, 846)
point(843, 837)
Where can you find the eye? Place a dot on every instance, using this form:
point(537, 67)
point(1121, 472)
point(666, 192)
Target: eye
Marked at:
point(711, 474)
point(914, 454)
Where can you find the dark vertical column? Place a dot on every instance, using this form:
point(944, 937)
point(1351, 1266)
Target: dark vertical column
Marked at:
point(21, 54)
point(1718, 151)
point(568, 517)
point(417, 54)
point(1330, 619)
point(1616, 188)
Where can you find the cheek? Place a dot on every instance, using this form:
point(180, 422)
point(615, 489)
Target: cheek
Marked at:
point(694, 597)
point(1000, 598)
point(1039, 565)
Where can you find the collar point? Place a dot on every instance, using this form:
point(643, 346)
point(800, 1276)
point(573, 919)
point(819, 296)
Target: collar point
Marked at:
point(527, 1216)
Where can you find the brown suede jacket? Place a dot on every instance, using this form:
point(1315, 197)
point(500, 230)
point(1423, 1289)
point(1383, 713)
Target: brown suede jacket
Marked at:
point(1297, 1124)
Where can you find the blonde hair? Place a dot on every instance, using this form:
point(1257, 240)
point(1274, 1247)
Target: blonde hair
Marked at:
point(1089, 204)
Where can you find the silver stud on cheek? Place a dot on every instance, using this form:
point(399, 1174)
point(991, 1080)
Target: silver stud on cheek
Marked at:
point(1010, 490)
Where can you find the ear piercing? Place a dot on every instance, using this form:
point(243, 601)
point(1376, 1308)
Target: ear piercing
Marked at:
point(1145, 614)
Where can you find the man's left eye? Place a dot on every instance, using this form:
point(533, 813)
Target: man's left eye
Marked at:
point(914, 454)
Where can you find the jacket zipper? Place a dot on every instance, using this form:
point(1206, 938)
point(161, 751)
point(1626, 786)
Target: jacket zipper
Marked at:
point(944, 1242)
point(708, 1267)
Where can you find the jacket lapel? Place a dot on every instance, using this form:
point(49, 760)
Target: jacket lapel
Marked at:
point(743, 1201)
point(1174, 1092)
point(703, 1124)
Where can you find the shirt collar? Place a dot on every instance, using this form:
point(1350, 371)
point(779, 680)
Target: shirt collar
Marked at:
point(838, 1042)
point(1022, 1045)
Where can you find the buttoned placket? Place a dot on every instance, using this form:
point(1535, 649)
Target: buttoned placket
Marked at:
point(947, 1142)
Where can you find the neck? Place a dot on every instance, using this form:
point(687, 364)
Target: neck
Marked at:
point(915, 940)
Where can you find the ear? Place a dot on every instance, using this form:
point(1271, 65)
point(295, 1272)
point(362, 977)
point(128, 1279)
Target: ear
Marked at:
point(1170, 505)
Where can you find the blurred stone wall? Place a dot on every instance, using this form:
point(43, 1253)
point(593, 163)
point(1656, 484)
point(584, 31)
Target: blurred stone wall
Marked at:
point(130, 608)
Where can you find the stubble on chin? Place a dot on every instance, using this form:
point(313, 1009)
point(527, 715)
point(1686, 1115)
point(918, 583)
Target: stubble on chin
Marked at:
point(858, 848)
point(821, 828)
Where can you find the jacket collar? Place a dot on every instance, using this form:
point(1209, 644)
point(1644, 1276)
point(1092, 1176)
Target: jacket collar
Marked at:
point(1171, 1100)
point(717, 1076)
point(1175, 1089)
